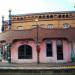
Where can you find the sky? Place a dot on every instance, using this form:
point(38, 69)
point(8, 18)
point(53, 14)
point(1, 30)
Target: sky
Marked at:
point(34, 6)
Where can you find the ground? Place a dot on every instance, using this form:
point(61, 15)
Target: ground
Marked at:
point(37, 69)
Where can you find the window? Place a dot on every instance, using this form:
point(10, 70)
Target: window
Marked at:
point(43, 16)
point(20, 28)
point(18, 18)
point(40, 17)
point(42, 25)
point(67, 15)
point(25, 52)
point(49, 49)
point(47, 16)
point(51, 16)
point(14, 18)
point(50, 26)
point(59, 16)
point(33, 26)
point(63, 16)
point(21, 18)
point(66, 25)
point(59, 46)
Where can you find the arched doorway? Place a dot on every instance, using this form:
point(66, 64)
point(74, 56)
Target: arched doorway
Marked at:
point(25, 52)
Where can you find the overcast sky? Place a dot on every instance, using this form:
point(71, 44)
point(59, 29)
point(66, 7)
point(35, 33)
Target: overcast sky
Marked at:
point(34, 6)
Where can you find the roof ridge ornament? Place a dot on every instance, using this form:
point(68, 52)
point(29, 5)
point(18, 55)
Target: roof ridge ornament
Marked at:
point(2, 23)
point(9, 22)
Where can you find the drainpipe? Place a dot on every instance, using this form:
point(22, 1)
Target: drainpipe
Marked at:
point(38, 48)
point(37, 41)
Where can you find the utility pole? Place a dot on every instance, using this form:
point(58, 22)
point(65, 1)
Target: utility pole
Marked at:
point(37, 43)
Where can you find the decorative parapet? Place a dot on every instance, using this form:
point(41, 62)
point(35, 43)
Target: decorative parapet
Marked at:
point(44, 16)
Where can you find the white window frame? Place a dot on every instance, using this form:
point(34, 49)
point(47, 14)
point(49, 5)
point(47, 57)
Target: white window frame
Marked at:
point(66, 25)
point(20, 28)
point(34, 26)
point(49, 42)
point(50, 26)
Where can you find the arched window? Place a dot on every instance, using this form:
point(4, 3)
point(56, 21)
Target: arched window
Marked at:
point(40, 17)
point(67, 15)
point(59, 16)
point(66, 25)
point(18, 18)
point(25, 52)
point(43, 16)
point(51, 16)
point(63, 16)
point(47, 16)
point(21, 18)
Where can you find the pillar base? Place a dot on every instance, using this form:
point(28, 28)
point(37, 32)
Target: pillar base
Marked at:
point(4, 61)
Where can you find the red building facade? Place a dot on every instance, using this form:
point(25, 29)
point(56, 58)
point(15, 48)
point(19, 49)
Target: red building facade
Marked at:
point(37, 45)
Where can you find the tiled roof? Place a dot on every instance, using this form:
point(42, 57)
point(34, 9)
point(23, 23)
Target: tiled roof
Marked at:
point(43, 33)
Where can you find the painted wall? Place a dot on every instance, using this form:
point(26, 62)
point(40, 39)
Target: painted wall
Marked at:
point(14, 52)
point(45, 59)
point(42, 55)
point(44, 24)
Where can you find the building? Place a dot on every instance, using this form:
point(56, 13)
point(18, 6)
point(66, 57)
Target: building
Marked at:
point(38, 38)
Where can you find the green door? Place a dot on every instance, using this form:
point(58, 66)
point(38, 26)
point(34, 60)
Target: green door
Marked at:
point(0, 54)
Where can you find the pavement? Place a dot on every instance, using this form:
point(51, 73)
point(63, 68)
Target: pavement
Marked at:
point(23, 66)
